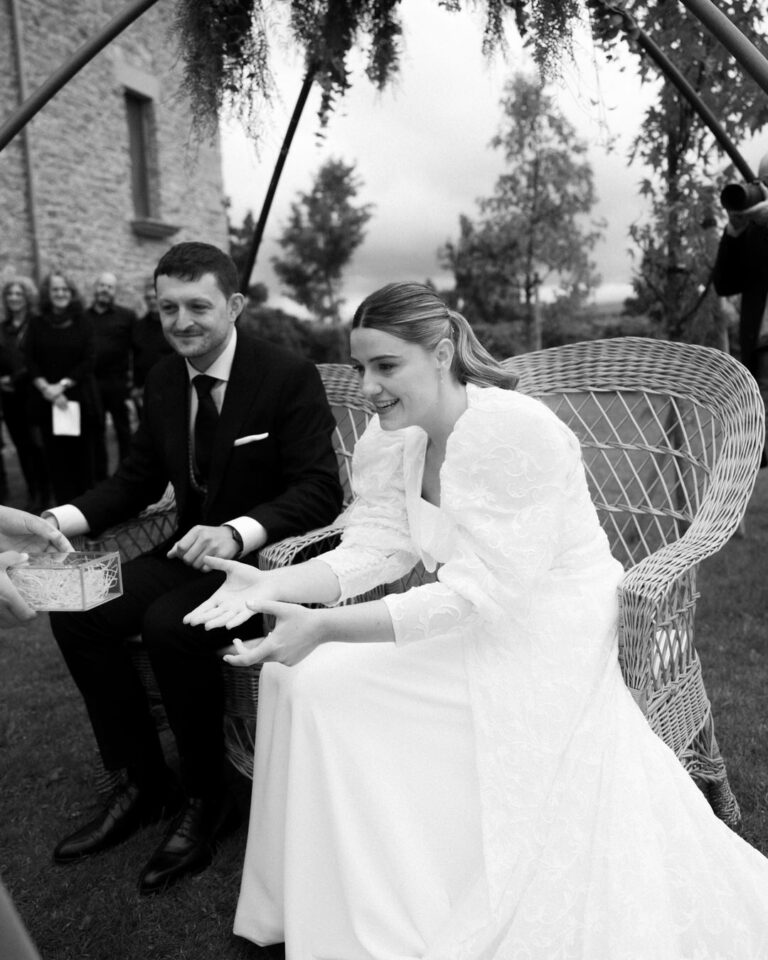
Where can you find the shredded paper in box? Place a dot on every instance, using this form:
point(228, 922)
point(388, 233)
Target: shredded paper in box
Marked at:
point(68, 581)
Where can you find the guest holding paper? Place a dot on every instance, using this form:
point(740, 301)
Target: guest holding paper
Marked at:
point(60, 359)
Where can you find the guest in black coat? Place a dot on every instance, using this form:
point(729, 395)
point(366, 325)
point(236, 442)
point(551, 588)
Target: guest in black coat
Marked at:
point(149, 344)
point(19, 298)
point(242, 429)
point(59, 350)
point(113, 336)
point(741, 267)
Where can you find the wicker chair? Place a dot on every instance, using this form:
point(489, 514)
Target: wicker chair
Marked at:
point(671, 437)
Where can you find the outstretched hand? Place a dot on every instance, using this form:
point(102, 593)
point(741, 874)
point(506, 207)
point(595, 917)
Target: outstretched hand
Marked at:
point(228, 606)
point(297, 632)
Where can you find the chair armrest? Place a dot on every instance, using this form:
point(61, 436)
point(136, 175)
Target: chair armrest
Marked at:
point(302, 547)
point(136, 536)
point(658, 593)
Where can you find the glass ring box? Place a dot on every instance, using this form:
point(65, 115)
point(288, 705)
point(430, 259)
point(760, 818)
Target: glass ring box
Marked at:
point(68, 581)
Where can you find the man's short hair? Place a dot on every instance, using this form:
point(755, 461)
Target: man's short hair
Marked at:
point(189, 261)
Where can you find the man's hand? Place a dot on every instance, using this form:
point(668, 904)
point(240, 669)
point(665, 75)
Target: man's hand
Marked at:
point(52, 392)
point(26, 533)
point(201, 542)
point(228, 606)
point(298, 631)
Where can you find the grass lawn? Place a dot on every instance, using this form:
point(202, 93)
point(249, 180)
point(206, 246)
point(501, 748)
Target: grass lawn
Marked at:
point(91, 911)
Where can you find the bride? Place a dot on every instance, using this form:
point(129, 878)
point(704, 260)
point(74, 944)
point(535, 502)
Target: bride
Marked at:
point(459, 771)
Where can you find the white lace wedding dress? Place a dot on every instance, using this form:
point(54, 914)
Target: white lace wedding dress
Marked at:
point(485, 787)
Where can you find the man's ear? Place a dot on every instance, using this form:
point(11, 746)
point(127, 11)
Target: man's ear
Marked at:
point(236, 304)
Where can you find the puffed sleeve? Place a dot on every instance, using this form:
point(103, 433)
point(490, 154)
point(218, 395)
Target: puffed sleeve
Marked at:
point(376, 546)
point(507, 480)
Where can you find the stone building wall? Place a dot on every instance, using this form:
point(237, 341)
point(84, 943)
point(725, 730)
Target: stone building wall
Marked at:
point(80, 152)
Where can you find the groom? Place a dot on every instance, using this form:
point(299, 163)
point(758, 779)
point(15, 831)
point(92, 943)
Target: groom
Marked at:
point(242, 429)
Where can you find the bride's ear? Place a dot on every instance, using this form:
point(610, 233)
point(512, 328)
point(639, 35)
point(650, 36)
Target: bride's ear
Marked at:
point(444, 353)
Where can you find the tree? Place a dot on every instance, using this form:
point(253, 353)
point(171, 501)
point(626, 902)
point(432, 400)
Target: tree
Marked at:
point(532, 229)
point(323, 231)
point(678, 241)
point(239, 246)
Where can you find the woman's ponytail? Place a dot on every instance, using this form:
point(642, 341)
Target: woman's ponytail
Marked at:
point(471, 361)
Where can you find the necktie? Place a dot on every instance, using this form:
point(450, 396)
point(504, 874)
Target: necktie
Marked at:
point(205, 424)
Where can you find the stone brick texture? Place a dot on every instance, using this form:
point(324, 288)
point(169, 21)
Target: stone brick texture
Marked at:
point(80, 151)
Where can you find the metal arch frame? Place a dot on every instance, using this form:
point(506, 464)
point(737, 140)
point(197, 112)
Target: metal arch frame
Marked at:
point(742, 49)
point(35, 102)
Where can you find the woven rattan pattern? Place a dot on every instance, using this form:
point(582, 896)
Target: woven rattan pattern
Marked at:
point(671, 437)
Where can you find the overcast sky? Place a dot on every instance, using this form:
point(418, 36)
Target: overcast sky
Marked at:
point(421, 149)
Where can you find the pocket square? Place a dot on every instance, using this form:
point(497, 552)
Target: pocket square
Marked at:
point(251, 438)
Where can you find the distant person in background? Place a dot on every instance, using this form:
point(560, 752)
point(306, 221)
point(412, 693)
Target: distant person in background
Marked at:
point(113, 334)
point(19, 298)
point(741, 267)
point(59, 348)
point(149, 344)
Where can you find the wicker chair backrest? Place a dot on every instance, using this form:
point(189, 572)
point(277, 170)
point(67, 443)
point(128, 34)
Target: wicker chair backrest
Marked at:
point(352, 412)
point(667, 430)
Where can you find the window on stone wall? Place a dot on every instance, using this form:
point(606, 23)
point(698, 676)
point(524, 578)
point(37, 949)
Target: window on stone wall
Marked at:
point(143, 149)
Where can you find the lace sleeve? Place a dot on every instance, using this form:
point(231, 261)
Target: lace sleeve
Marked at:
point(376, 546)
point(506, 481)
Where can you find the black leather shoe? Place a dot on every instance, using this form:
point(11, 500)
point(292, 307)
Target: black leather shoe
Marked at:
point(127, 810)
point(190, 842)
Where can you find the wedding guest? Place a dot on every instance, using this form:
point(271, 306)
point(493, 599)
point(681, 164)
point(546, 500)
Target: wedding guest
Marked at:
point(149, 344)
point(59, 350)
point(19, 298)
point(459, 771)
point(113, 338)
point(740, 269)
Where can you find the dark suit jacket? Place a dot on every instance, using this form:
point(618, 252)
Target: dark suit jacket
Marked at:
point(113, 335)
point(742, 267)
point(288, 481)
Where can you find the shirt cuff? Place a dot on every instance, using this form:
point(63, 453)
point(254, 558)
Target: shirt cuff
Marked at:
point(252, 532)
point(71, 521)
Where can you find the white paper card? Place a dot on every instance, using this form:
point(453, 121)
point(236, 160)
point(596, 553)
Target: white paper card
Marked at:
point(66, 421)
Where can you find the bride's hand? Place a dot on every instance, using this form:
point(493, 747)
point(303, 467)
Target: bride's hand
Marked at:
point(296, 633)
point(227, 607)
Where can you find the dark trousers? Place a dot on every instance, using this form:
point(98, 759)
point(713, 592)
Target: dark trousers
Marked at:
point(113, 395)
point(69, 461)
point(157, 593)
point(27, 440)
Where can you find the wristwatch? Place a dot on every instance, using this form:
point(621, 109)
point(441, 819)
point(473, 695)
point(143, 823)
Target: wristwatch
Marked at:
point(236, 537)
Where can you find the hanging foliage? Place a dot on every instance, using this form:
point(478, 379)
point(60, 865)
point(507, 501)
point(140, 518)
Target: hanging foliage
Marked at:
point(225, 45)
